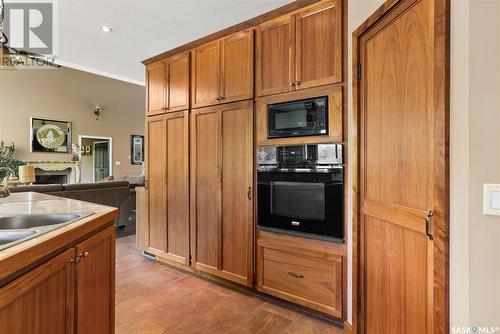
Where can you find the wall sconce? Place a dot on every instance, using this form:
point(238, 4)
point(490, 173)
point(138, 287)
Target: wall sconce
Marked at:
point(97, 112)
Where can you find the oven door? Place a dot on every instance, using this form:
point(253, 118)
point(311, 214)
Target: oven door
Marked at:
point(303, 202)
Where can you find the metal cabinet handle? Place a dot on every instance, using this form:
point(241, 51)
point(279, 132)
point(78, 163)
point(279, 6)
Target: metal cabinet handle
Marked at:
point(77, 258)
point(294, 83)
point(296, 275)
point(249, 193)
point(428, 219)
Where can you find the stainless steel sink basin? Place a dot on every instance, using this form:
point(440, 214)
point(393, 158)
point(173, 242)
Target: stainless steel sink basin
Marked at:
point(6, 237)
point(17, 229)
point(30, 221)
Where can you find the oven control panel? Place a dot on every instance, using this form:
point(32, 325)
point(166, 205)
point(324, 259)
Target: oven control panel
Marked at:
point(300, 155)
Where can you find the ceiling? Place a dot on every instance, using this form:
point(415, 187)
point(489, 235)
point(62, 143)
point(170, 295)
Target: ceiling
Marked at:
point(141, 29)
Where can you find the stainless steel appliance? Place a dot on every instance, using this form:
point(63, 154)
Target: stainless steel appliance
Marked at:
point(298, 118)
point(301, 190)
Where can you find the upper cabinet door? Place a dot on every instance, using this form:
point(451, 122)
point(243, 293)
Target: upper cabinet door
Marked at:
point(177, 95)
point(237, 67)
point(275, 56)
point(205, 75)
point(156, 83)
point(318, 45)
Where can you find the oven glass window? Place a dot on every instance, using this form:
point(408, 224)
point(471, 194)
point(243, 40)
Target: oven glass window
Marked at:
point(298, 200)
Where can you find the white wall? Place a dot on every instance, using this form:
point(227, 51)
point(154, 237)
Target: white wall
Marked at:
point(474, 157)
point(484, 160)
point(71, 95)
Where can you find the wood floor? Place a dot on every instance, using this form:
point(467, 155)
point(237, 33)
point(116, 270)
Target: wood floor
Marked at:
point(154, 298)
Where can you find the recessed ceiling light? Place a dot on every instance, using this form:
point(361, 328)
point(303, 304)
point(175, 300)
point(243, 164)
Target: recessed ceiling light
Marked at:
point(106, 29)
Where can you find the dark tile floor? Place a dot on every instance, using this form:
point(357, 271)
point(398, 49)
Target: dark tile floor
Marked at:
point(154, 298)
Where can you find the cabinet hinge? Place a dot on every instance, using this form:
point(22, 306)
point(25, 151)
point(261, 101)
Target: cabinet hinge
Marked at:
point(190, 259)
point(359, 302)
point(359, 71)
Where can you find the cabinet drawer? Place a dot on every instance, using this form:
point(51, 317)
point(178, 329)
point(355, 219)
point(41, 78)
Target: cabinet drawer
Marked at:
point(309, 279)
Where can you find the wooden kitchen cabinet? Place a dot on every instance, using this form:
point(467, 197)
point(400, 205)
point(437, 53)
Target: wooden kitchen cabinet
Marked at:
point(300, 50)
point(72, 292)
point(275, 56)
point(95, 283)
point(221, 188)
point(304, 271)
point(222, 71)
point(168, 85)
point(48, 292)
point(156, 86)
point(168, 186)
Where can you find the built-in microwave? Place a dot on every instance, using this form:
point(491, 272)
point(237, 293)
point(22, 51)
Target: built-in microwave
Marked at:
point(308, 117)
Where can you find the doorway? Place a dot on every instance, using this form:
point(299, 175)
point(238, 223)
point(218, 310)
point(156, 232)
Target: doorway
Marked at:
point(401, 203)
point(95, 157)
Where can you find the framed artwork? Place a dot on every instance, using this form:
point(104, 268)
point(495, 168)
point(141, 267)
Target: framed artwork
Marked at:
point(136, 149)
point(48, 135)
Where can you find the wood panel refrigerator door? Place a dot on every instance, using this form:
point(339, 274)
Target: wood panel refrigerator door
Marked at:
point(95, 276)
point(237, 207)
point(206, 189)
point(178, 187)
point(41, 301)
point(237, 67)
point(205, 75)
point(156, 86)
point(275, 56)
point(157, 181)
point(403, 173)
point(318, 45)
point(178, 82)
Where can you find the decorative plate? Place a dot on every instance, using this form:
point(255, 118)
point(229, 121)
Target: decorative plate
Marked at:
point(50, 136)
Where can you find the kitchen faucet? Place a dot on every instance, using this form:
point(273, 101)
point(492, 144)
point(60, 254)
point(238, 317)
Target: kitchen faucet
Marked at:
point(4, 187)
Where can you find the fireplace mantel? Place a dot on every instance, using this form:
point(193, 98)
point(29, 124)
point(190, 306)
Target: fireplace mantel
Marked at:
point(54, 166)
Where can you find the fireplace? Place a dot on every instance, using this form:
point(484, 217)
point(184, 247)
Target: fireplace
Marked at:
point(56, 172)
point(52, 179)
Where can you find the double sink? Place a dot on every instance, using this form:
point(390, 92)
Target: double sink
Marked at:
point(19, 228)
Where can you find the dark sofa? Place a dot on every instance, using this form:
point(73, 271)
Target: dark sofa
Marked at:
point(113, 193)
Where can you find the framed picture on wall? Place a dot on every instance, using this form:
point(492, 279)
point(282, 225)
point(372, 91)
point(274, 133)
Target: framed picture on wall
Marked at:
point(49, 135)
point(136, 149)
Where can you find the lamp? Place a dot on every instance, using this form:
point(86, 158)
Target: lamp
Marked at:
point(97, 112)
point(27, 174)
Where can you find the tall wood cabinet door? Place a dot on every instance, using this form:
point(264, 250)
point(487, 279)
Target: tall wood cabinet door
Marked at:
point(318, 43)
point(95, 276)
point(403, 168)
point(156, 86)
point(206, 186)
point(177, 187)
point(41, 301)
point(237, 67)
point(275, 56)
point(157, 181)
point(237, 192)
point(177, 94)
point(205, 75)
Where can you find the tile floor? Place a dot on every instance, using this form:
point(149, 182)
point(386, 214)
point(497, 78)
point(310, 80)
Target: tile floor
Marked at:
point(154, 298)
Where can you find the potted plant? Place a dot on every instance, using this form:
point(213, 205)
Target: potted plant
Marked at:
point(7, 159)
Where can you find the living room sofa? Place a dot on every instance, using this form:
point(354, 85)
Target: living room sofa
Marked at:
point(112, 193)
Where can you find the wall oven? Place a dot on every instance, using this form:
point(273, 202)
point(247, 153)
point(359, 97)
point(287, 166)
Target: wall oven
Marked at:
point(300, 190)
point(307, 117)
